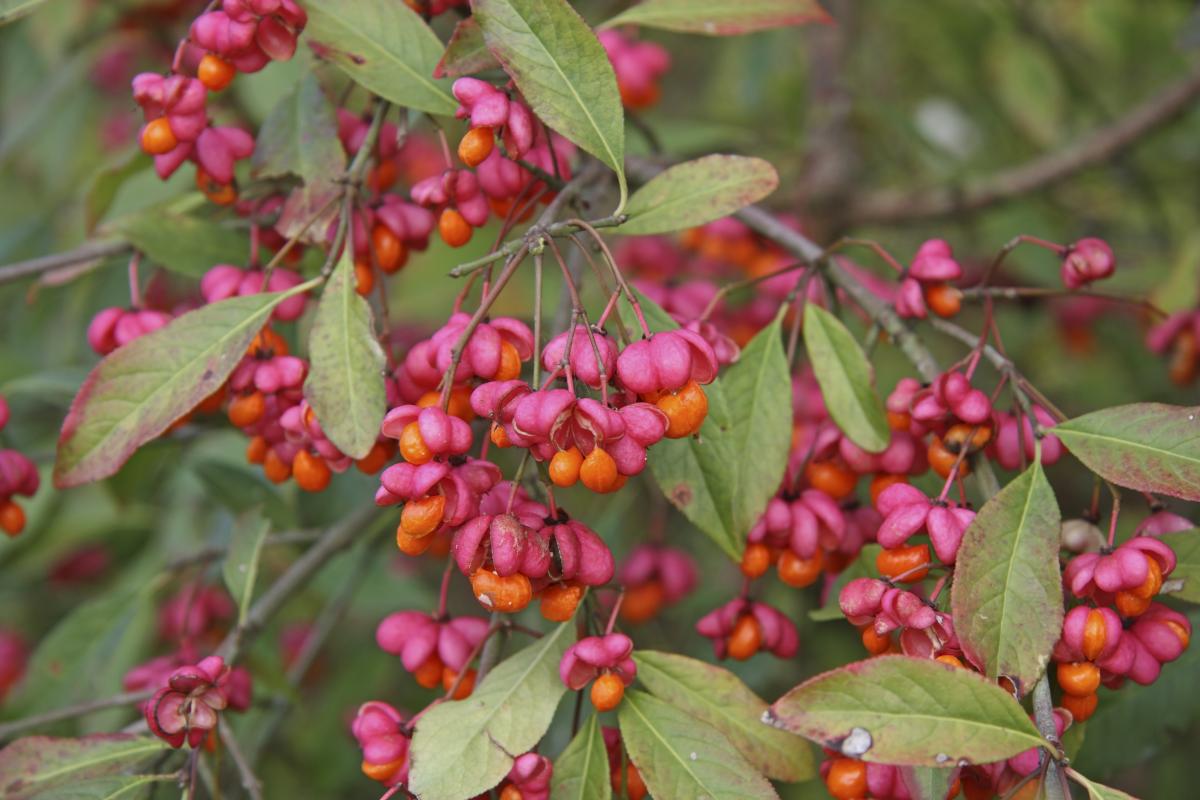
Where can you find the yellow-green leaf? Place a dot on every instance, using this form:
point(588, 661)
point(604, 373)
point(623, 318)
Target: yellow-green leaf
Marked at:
point(681, 756)
point(907, 711)
point(717, 696)
point(384, 46)
point(562, 71)
point(345, 381)
point(466, 747)
point(718, 17)
point(696, 192)
point(581, 771)
point(846, 379)
point(1007, 591)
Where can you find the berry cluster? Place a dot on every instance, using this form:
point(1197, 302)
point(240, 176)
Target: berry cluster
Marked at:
point(239, 36)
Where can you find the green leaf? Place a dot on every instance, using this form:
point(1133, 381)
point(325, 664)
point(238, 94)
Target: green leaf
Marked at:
point(1150, 447)
point(846, 378)
point(907, 711)
point(696, 192)
point(1098, 791)
point(680, 756)
point(466, 53)
point(697, 474)
point(562, 71)
point(1186, 545)
point(463, 748)
point(240, 569)
point(927, 783)
point(1007, 592)
point(581, 771)
point(718, 697)
point(723, 479)
point(758, 394)
point(345, 382)
point(108, 180)
point(240, 488)
point(142, 388)
point(300, 137)
point(46, 767)
point(187, 245)
point(384, 46)
point(861, 567)
point(85, 655)
point(720, 18)
point(12, 10)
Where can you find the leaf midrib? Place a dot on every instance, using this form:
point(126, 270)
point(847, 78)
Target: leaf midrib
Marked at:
point(348, 296)
point(841, 714)
point(1128, 443)
point(535, 662)
point(203, 355)
point(866, 409)
point(1035, 470)
point(743, 723)
point(334, 20)
point(632, 703)
point(710, 190)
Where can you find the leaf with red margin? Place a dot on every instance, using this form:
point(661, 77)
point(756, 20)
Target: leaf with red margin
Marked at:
point(139, 390)
point(1150, 447)
point(1007, 593)
point(720, 17)
point(466, 52)
point(907, 711)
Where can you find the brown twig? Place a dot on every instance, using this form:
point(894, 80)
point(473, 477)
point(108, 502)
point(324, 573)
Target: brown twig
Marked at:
point(895, 205)
point(805, 249)
point(70, 712)
point(250, 781)
point(92, 251)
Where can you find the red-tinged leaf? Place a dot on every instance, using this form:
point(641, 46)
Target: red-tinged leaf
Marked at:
point(1007, 593)
point(299, 138)
point(141, 389)
point(907, 711)
point(718, 17)
point(1150, 447)
point(37, 766)
point(466, 52)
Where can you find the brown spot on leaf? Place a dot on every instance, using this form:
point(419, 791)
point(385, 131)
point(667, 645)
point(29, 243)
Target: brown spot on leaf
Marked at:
point(682, 495)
